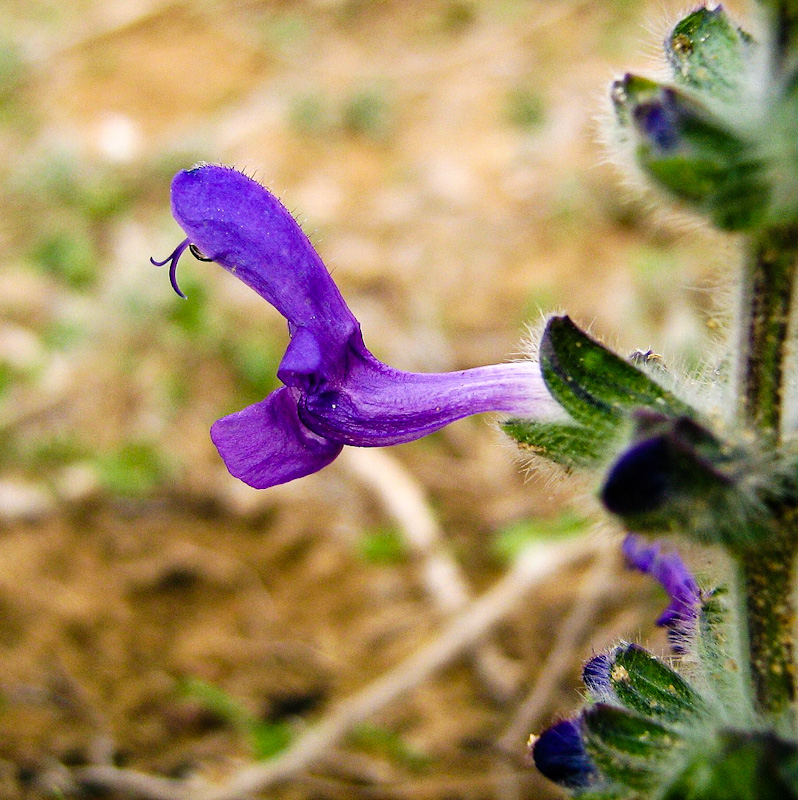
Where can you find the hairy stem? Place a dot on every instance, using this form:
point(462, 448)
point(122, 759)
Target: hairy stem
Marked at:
point(766, 575)
point(766, 581)
point(785, 19)
point(767, 298)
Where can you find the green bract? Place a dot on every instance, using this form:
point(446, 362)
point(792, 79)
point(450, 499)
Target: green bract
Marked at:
point(597, 388)
point(707, 52)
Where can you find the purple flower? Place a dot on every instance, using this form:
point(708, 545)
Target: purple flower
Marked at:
point(336, 392)
point(672, 573)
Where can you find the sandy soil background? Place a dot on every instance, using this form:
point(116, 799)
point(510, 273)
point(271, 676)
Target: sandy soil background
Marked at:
point(155, 614)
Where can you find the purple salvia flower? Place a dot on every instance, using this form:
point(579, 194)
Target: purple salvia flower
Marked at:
point(336, 392)
point(677, 580)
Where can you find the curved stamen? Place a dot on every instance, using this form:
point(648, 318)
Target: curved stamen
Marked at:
point(172, 261)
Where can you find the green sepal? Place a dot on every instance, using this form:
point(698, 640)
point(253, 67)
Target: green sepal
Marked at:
point(709, 53)
point(714, 646)
point(627, 93)
point(694, 148)
point(594, 385)
point(628, 748)
point(708, 164)
point(569, 445)
point(647, 685)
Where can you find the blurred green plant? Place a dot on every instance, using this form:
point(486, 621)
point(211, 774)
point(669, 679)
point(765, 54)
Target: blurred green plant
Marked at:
point(511, 540)
point(265, 738)
point(132, 470)
point(384, 741)
point(254, 363)
point(383, 546)
point(310, 114)
point(69, 256)
point(367, 112)
point(524, 108)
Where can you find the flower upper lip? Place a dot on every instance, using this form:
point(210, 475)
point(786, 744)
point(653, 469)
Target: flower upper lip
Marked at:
point(336, 392)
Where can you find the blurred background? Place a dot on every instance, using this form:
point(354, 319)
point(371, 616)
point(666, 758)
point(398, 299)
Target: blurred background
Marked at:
point(446, 159)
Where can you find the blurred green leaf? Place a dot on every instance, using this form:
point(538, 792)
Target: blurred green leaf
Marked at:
point(62, 335)
point(510, 541)
point(269, 739)
point(55, 451)
point(310, 114)
point(740, 766)
point(69, 256)
point(382, 546)
point(381, 740)
point(458, 15)
point(266, 738)
point(217, 701)
point(191, 315)
point(12, 67)
point(7, 375)
point(368, 113)
point(524, 108)
point(255, 362)
point(132, 470)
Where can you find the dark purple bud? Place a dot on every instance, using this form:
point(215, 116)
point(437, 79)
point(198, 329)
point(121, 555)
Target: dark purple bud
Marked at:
point(639, 482)
point(658, 123)
point(559, 753)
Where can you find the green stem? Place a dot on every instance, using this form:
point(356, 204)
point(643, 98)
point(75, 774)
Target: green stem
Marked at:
point(766, 581)
point(784, 14)
point(767, 297)
point(766, 575)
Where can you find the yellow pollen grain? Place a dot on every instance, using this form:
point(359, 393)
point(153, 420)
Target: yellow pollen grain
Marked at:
point(619, 674)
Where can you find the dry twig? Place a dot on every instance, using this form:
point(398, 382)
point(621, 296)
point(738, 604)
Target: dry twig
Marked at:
point(536, 564)
point(595, 585)
point(404, 500)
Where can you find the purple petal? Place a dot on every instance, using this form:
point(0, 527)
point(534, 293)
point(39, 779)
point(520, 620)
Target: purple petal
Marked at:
point(596, 676)
point(266, 444)
point(237, 223)
point(674, 576)
point(376, 405)
point(559, 753)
